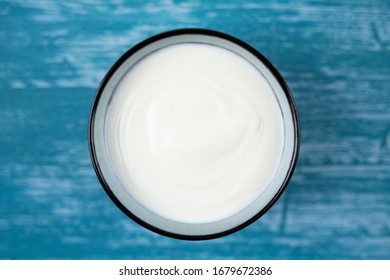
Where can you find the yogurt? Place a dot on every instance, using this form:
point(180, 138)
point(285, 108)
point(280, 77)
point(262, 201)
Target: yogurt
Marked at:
point(194, 132)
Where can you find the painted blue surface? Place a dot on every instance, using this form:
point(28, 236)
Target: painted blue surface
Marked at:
point(335, 56)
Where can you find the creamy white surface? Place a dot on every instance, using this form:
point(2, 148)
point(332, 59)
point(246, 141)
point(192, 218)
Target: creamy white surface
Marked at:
point(194, 133)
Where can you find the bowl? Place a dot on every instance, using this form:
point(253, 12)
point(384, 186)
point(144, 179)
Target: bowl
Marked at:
point(193, 134)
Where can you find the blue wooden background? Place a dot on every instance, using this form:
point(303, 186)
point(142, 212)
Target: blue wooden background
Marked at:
point(335, 55)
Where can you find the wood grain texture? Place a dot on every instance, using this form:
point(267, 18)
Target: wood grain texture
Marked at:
point(335, 56)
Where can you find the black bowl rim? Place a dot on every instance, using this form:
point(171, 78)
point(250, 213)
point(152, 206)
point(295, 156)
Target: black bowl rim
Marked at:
point(193, 31)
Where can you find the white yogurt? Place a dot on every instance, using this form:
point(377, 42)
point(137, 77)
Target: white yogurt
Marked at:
point(194, 132)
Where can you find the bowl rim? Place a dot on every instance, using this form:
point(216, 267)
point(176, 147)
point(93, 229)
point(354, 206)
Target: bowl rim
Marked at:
point(192, 31)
